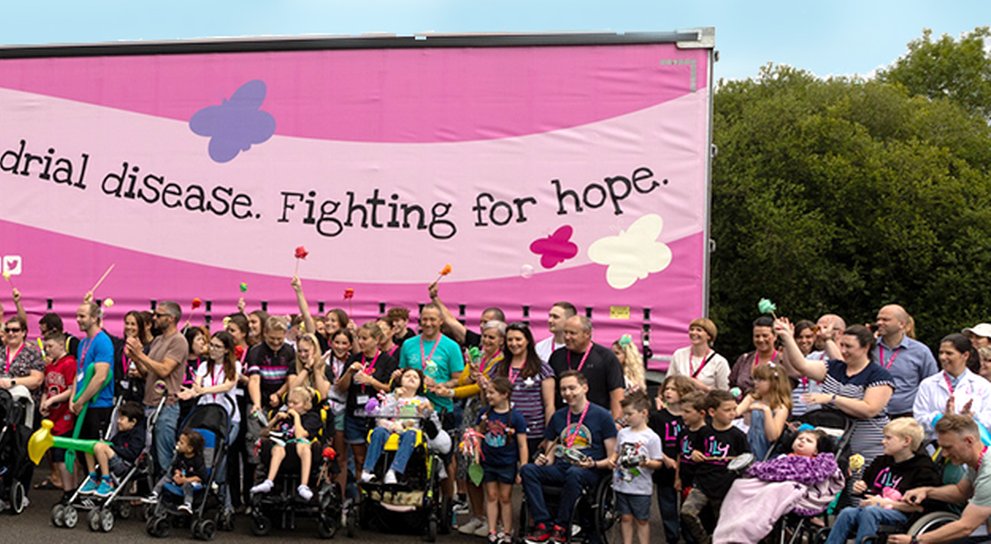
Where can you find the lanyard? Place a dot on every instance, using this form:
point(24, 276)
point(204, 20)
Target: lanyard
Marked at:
point(84, 347)
point(10, 360)
point(573, 435)
point(370, 369)
point(949, 382)
point(514, 374)
point(977, 465)
point(894, 355)
point(424, 357)
point(757, 357)
point(392, 352)
point(584, 358)
point(703, 361)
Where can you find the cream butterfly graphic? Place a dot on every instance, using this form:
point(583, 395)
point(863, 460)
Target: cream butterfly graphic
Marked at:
point(633, 254)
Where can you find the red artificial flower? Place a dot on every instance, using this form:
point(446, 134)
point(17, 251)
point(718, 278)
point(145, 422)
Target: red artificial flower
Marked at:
point(348, 293)
point(197, 302)
point(301, 252)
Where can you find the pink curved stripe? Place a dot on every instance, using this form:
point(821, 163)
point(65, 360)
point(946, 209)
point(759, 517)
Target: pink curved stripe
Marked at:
point(384, 95)
point(64, 275)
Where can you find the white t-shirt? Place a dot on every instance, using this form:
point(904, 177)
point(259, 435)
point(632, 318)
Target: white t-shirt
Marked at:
point(714, 367)
point(217, 378)
point(545, 347)
point(636, 480)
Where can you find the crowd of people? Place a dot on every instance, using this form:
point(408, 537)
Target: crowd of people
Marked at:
point(564, 411)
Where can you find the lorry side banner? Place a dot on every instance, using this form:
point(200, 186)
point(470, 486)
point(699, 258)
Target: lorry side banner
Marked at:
point(540, 174)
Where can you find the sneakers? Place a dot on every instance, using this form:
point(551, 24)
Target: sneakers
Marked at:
point(483, 530)
point(693, 526)
point(305, 492)
point(264, 487)
point(151, 499)
point(494, 539)
point(390, 477)
point(186, 508)
point(366, 476)
point(90, 485)
point(105, 489)
point(461, 506)
point(541, 533)
point(474, 525)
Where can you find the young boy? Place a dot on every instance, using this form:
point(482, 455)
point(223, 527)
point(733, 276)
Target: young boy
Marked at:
point(900, 468)
point(296, 424)
point(693, 414)
point(639, 454)
point(188, 469)
point(59, 374)
point(667, 422)
point(118, 456)
point(721, 443)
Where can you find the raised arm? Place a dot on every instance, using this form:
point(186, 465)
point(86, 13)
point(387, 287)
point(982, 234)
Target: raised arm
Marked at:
point(458, 331)
point(815, 370)
point(304, 307)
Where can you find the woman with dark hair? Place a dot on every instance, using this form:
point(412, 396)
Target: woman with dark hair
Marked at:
point(741, 375)
point(237, 326)
point(127, 379)
point(956, 389)
point(856, 386)
point(805, 336)
point(533, 383)
point(198, 339)
point(256, 326)
point(215, 378)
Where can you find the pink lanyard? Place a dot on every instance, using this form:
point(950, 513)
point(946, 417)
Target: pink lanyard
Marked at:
point(584, 358)
point(370, 369)
point(977, 465)
point(85, 345)
point(514, 374)
point(757, 358)
point(949, 382)
point(702, 362)
point(894, 355)
point(10, 360)
point(570, 439)
point(424, 357)
point(392, 353)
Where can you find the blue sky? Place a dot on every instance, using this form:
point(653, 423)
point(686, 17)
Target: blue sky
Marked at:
point(840, 37)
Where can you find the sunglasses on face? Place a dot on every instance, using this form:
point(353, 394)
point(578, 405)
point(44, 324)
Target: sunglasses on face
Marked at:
point(12, 331)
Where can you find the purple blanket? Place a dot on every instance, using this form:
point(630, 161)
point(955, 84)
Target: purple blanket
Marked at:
point(753, 505)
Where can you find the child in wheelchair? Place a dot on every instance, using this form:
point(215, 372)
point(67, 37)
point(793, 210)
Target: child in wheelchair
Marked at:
point(901, 468)
point(296, 424)
point(400, 413)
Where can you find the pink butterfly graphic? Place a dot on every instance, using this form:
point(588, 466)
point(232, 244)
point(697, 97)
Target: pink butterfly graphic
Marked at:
point(556, 248)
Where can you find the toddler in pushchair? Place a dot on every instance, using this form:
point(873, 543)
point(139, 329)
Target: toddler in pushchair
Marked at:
point(297, 451)
point(194, 487)
point(16, 418)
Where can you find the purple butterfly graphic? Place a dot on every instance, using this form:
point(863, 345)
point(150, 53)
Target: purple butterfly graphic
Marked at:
point(556, 248)
point(236, 124)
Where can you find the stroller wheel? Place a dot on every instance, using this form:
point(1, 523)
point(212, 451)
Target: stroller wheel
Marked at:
point(327, 527)
point(106, 520)
point(260, 525)
point(352, 522)
point(93, 520)
point(207, 530)
point(123, 509)
point(158, 527)
point(17, 497)
point(71, 517)
point(58, 515)
point(431, 535)
point(226, 521)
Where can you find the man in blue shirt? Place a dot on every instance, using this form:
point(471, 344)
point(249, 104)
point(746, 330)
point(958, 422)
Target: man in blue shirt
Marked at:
point(581, 426)
point(908, 361)
point(97, 351)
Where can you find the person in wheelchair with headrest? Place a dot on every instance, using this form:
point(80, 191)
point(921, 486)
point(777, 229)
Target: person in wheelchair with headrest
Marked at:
point(581, 439)
point(960, 440)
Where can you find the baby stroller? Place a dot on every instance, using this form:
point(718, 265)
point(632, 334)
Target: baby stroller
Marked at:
point(104, 511)
point(284, 504)
point(211, 504)
point(16, 418)
point(415, 498)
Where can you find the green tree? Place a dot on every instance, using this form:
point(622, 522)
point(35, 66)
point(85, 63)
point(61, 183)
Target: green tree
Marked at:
point(946, 68)
point(843, 195)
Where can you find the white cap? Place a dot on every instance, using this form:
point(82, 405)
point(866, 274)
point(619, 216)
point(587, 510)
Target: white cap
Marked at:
point(981, 329)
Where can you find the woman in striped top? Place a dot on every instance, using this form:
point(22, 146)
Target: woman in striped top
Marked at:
point(533, 383)
point(857, 387)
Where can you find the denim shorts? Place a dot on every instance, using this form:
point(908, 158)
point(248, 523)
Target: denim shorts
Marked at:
point(637, 505)
point(505, 474)
point(356, 430)
point(118, 466)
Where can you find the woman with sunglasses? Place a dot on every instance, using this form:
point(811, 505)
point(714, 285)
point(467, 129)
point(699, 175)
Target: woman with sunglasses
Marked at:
point(22, 364)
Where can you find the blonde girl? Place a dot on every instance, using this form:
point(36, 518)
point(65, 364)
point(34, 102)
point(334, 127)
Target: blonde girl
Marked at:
point(769, 405)
point(629, 357)
point(310, 366)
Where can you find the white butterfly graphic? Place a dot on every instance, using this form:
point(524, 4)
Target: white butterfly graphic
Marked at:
point(633, 254)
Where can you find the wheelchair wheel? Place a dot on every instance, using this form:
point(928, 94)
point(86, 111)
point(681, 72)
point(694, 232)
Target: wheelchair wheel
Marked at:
point(431, 535)
point(930, 522)
point(605, 519)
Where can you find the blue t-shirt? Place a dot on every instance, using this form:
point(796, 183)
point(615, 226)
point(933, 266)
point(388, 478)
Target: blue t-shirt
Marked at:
point(98, 349)
point(500, 447)
point(446, 362)
point(586, 435)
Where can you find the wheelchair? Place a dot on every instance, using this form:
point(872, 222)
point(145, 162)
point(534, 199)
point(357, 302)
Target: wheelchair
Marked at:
point(594, 519)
